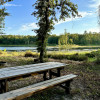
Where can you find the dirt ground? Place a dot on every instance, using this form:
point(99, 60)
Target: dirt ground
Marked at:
point(85, 87)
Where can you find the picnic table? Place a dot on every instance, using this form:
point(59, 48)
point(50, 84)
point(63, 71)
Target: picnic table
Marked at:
point(14, 73)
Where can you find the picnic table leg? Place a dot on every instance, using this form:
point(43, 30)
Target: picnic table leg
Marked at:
point(3, 86)
point(51, 73)
point(67, 85)
point(45, 75)
point(58, 72)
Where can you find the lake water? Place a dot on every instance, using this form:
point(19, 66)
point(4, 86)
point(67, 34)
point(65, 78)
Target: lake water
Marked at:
point(48, 49)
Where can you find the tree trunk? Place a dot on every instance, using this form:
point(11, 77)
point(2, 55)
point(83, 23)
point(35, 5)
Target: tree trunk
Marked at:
point(41, 56)
point(42, 51)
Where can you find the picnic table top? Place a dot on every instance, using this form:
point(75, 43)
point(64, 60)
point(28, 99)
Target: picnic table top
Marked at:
point(10, 72)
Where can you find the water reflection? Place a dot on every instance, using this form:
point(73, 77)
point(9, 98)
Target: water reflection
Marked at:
point(48, 49)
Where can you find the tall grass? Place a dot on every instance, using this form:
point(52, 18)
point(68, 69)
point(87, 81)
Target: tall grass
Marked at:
point(70, 55)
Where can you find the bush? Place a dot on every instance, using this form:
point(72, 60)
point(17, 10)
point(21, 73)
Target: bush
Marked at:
point(97, 59)
point(57, 56)
point(30, 54)
point(1, 51)
point(78, 57)
point(91, 55)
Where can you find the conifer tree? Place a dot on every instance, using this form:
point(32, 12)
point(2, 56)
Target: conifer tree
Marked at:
point(4, 1)
point(46, 14)
point(3, 13)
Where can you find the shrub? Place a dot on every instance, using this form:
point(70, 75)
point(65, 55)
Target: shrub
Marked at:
point(1, 51)
point(97, 59)
point(91, 55)
point(78, 57)
point(30, 54)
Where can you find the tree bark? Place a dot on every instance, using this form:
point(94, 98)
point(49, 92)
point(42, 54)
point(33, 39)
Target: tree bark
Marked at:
point(45, 35)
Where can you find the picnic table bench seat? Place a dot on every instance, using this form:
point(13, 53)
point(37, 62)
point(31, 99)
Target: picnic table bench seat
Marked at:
point(30, 90)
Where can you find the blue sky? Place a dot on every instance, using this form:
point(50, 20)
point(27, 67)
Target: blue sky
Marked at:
point(21, 22)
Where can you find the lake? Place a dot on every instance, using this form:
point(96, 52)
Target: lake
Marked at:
point(48, 49)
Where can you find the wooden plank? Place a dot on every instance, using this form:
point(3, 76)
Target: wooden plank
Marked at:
point(4, 74)
point(29, 90)
point(24, 69)
point(27, 66)
point(3, 70)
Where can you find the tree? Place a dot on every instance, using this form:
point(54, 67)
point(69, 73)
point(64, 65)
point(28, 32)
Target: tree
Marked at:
point(4, 1)
point(46, 16)
point(3, 13)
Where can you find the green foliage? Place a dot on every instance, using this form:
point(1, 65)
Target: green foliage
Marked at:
point(3, 13)
point(75, 57)
point(1, 51)
point(4, 1)
point(17, 40)
point(4, 50)
point(30, 54)
point(97, 59)
point(91, 55)
point(46, 14)
point(63, 39)
point(78, 57)
point(52, 39)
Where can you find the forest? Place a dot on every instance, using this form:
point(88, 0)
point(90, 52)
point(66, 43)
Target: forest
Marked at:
point(88, 38)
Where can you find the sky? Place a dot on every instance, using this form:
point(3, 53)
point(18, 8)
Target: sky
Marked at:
point(21, 22)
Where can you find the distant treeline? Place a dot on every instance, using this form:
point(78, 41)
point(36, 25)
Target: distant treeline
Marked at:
point(78, 39)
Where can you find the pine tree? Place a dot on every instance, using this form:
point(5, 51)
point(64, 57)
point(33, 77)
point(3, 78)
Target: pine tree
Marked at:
point(3, 13)
point(46, 15)
point(4, 1)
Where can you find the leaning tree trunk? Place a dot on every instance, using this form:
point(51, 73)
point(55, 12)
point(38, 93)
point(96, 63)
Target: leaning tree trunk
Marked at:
point(43, 48)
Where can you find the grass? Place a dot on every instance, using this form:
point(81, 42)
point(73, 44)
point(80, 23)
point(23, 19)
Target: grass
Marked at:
point(70, 55)
point(92, 59)
point(50, 94)
point(85, 87)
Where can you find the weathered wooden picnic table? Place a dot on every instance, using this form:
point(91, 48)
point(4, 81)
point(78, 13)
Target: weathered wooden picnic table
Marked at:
point(13, 73)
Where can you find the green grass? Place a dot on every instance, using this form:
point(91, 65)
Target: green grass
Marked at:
point(89, 56)
point(92, 59)
point(85, 86)
point(49, 94)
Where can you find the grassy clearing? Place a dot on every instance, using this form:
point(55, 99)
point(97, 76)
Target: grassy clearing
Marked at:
point(70, 55)
point(85, 87)
point(88, 56)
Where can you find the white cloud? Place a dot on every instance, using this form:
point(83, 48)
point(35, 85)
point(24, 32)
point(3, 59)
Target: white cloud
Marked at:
point(96, 29)
point(31, 26)
point(28, 26)
point(82, 13)
point(10, 5)
point(85, 14)
point(94, 3)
